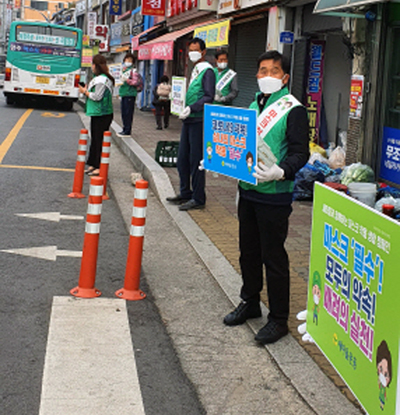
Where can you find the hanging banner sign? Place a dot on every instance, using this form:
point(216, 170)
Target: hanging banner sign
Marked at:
point(314, 87)
point(230, 141)
point(356, 96)
point(17, 4)
point(87, 57)
point(352, 296)
point(214, 35)
point(153, 7)
point(178, 94)
point(92, 21)
point(390, 161)
point(115, 7)
point(101, 33)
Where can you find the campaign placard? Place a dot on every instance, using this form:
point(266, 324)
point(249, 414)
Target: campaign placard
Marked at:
point(353, 302)
point(230, 141)
point(178, 92)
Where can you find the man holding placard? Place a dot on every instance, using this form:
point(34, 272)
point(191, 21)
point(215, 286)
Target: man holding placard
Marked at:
point(226, 88)
point(201, 91)
point(264, 209)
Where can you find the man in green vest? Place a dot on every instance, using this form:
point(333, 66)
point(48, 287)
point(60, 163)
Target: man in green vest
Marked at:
point(201, 91)
point(264, 209)
point(226, 88)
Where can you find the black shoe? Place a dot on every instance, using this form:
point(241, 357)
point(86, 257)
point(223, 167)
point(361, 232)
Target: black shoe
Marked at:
point(166, 126)
point(271, 332)
point(242, 312)
point(191, 204)
point(177, 200)
point(159, 128)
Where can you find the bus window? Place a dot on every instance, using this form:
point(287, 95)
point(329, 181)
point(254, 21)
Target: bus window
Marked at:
point(44, 35)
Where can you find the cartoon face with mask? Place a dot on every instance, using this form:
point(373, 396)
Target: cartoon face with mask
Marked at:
point(384, 369)
point(271, 77)
point(316, 292)
point(209, 150)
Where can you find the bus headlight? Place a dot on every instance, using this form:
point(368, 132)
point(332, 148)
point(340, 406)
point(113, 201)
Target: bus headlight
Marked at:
point(15, 75)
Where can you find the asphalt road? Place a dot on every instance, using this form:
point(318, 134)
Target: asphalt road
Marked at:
point(36, 176)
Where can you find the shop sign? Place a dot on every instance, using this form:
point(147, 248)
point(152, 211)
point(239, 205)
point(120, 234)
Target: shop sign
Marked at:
point(176, 7)
point(163, 51)
point(116, 71)
point(153, 7)
point(92, 21)
point(353, 296)
point(136, 23)
point(214, 35)
point(115, 7)
point(144, 53)
point(314, 87)
point(17, 4)
point(87, 56)
point(101, 32)
point(356, 96)
point(390, 159)
point(286, 37)
point(228, 6)
point(116, 33)
point(126, 32)
point(230, 141)
point(178, 94)
point(80, 8)
point(211, 5)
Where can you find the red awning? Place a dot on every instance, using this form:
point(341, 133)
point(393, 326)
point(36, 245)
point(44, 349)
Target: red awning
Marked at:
point(135, 39)
point(162, 48)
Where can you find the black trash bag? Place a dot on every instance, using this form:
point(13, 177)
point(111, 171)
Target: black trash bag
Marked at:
point(304, 182)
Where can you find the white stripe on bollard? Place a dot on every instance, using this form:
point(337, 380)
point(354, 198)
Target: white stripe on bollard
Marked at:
point(105, 160)
point(141, 193)
point(106, 150)
point(137, 230)
point(82, 147)
point(96, 190)
point(81, 158)
point(139, 212)
point(92, 227)
point(94, 209)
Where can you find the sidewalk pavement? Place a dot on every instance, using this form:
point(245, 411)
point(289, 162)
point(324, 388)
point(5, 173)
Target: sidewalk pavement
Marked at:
point(217, 232)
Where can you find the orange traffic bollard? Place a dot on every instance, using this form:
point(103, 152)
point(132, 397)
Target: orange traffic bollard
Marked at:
point(134, 262)
point(80, 166)
point(87, 275)
point(105, 160)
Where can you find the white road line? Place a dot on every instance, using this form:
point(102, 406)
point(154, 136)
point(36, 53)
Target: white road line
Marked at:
point(90, 366)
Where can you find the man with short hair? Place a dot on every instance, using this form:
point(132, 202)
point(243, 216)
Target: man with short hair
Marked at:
point(201, 91)
point(264, 209)
point(226, 88)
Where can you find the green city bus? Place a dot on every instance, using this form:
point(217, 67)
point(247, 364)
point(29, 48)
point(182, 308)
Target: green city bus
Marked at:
point(43, 61)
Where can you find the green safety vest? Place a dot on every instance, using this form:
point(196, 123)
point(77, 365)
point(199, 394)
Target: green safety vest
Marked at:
point(102, 107)
point(195, 92)
point(226, 89)
point(126, 90)
point(276, 139)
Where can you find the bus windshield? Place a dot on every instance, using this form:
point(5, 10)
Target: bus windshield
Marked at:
point(46, 35)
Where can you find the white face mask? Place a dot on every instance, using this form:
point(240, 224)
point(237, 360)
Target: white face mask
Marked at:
point(316, 298)
point(269, 85)
point(222, 65)
point(128, 64)
point(194, 56)
point(382, 379)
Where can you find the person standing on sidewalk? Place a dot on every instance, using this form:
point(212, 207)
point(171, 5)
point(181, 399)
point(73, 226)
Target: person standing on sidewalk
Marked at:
point(99, 108)
point(264, 209)
point(226, 88)
point(162, 101)
point(201, 91)
point(128, 92)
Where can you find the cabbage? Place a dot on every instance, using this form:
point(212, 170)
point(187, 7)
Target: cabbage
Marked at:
point(357, 172)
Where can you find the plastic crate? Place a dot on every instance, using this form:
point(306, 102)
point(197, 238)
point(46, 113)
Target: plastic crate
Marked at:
point(167, 153)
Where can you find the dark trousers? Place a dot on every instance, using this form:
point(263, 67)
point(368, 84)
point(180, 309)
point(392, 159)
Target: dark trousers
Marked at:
point(262, 233)
point(189, 157)
point(98, 125)
point(127, 110)
point(166, 106)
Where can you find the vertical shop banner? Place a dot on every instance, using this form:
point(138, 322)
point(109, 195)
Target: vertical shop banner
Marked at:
point(153, 7)
point(116, 34)
point(91, 24)
point(87, 57)
point(356, 96)
point(115, 7)
point(314, 87)
point(17, 4)
point(390, 159)
point(353, 299)
point(214, 35)
point(178, 94)
point(230, 141)
point(101, 32)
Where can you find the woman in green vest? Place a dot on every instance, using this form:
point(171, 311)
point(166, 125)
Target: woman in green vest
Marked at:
point(99, 108)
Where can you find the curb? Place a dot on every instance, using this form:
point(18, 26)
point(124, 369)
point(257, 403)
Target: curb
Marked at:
point(300, 369)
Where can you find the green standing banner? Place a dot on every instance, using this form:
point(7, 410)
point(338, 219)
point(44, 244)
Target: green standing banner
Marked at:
point(353, 304)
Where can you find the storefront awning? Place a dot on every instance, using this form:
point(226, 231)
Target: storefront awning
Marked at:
point(162, 48)
point(135, 39)
point(323, 6)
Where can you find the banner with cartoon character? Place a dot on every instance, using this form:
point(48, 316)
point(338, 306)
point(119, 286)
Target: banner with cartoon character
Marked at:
point(353, 302)
point(230, 144)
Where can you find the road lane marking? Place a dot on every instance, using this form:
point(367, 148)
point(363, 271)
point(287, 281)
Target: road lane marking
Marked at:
point(7, 143)
point(90, 366)
point(50, 216)
point(49, 253)
point(10, 166)
point(53, 114)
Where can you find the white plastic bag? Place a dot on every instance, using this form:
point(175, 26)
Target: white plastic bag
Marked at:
point(337, 159)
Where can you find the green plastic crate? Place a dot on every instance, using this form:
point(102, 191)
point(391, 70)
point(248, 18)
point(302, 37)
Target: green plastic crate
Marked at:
point(167, 153)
